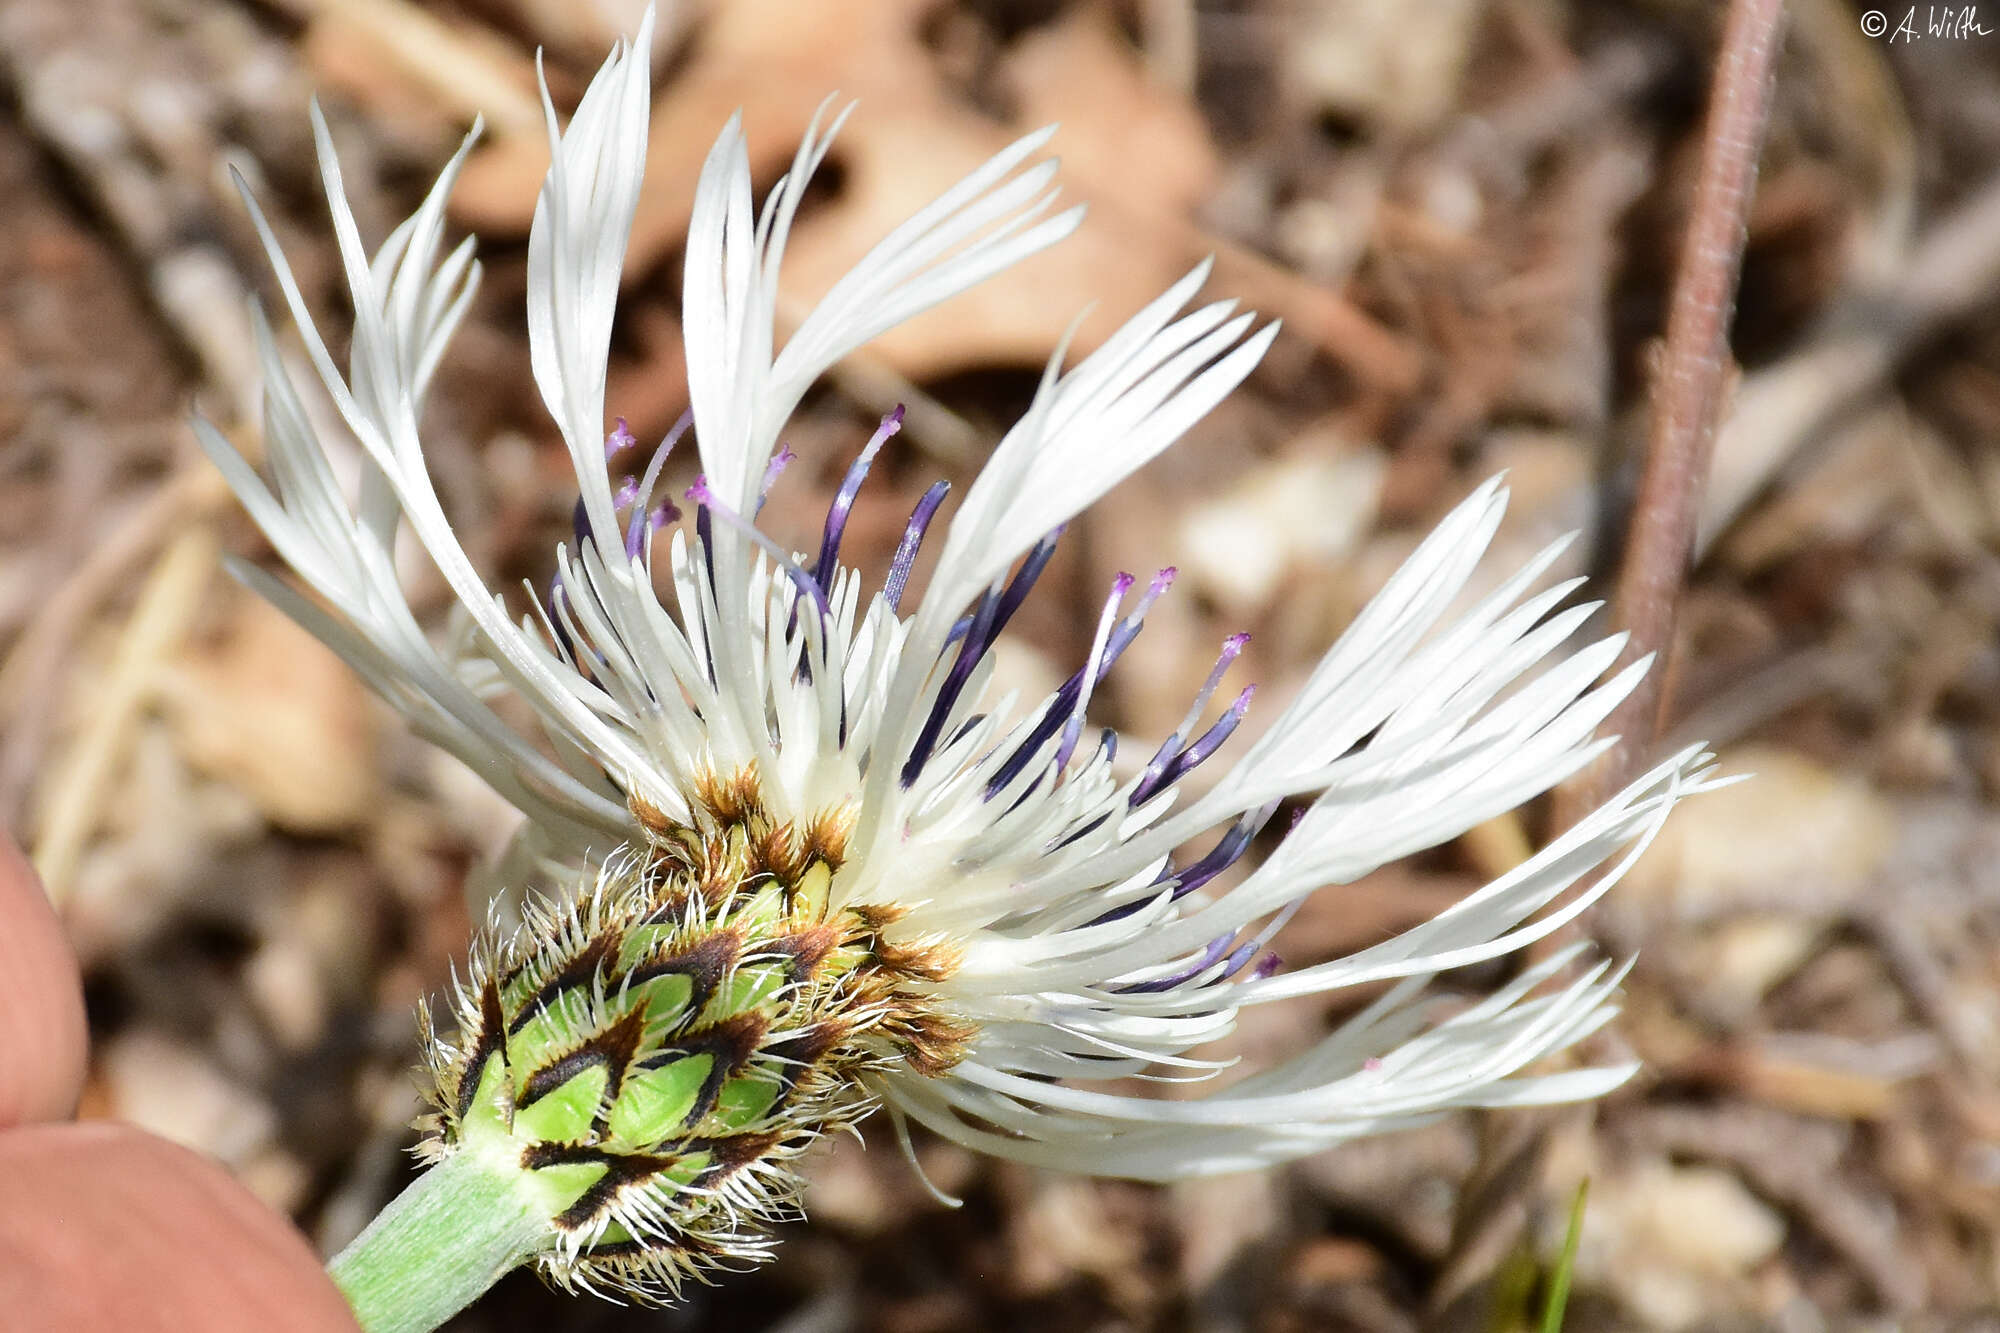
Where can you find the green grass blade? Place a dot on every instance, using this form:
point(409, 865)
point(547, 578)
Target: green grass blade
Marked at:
point(1552, 1313)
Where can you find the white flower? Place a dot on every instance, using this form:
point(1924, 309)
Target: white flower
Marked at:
point(1087, 948)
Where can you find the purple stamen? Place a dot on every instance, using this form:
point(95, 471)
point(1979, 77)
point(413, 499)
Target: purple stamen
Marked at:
point(1150, 782)
point(1094, 664)
point(704, 531)
point(706, 498)
point(1228, 850)
point(774, 469)
point(1232, 647)
point(913, 538)
point(1239, 960)
point(1166, 769)
point(1159, 583)
point(1024, 580)
point(1128, 628)
point(970, 650)
point(850, 486)
point(618, 441)
point(641, 519)
point(1070, 698)
point(1213, 954)
point(557, 630)
point(975, 635)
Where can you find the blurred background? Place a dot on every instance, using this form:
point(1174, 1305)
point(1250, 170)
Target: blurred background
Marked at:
point(1466, 212)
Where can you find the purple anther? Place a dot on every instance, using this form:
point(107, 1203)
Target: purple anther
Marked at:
point(1267, 966)
point(1149, 783)
point(640, 496)
point(1232, 648)
point(661, 514)
point(619, 440)
point(557, 595)
point(710, 505)
point(1213, 954)
point(1238, 960)
point(1228, 850)
point(970, 650)
point(1059, 709)
point(1164, 771)
point(1372, 1065)
point(975, 636)
point(1095, 665)
point(1128, 628)
point(913, 538)
point(1024, 578)
point(626, 494)
point(774, 469)
point(850, 486)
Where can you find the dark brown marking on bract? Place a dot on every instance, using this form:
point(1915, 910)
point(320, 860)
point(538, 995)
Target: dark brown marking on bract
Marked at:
point(805, 951)
point(800, 1053)
point(728, 1153)
point(579, 971)
point(620, 1169)
point(612, 1050)
point(492, 1027)
point(731, 1043)
point(706, 965)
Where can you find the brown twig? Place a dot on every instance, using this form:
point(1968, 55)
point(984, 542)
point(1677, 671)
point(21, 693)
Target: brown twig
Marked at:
point(1688, 392)
point(1689, 388)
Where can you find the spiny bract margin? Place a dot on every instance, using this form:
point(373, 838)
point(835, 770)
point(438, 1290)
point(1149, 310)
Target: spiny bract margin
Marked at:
point(658, 1048)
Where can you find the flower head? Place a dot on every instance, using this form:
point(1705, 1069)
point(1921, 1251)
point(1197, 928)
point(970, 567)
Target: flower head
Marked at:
point(833, 871)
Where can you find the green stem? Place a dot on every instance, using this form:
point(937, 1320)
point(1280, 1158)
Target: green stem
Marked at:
point(439, 1244)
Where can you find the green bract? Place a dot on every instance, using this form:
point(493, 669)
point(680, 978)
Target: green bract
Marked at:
point(651, 1054)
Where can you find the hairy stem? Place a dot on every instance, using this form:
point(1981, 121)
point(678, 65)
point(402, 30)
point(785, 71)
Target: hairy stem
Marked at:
point(440, 1243)
point(1688, 391)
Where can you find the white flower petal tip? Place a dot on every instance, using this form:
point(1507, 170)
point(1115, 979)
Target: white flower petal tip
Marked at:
point(1069, 933)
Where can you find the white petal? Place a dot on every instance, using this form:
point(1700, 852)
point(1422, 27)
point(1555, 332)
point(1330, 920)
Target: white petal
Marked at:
point(576, 256)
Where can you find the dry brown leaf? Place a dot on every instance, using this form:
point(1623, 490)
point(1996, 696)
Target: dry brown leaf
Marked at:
point(1133, 135)
point(912, 139)
point(399, 60)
